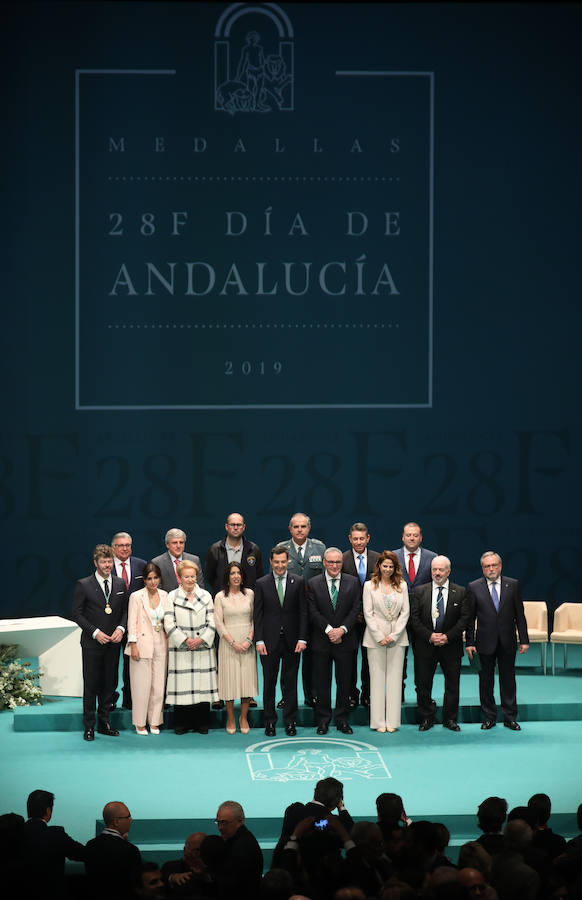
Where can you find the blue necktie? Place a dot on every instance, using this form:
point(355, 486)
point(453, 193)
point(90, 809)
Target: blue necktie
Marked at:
point(361, 569)
point(441, 612)
point(495, 597)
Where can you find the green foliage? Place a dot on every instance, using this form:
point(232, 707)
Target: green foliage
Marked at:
point(19, 684)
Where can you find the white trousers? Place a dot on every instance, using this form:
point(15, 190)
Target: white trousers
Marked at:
point(385, 665)
point(148, 684)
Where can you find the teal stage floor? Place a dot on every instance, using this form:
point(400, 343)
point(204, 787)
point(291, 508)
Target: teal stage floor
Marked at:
point(173, 784)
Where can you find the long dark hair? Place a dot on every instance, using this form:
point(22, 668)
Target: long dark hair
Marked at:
point(226, 578)
point(396, 576)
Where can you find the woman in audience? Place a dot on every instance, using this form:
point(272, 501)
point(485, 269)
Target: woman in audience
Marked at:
point(147, 648)
point(189, 623)
point(386, 611)
point(237, 662)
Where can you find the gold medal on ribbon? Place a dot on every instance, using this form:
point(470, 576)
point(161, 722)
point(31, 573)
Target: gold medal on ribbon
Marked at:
point(108, 610)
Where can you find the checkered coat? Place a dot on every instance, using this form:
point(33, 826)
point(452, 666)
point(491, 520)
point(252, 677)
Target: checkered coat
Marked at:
point(191, 673)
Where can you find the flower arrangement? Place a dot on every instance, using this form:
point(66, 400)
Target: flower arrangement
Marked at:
point(19, 683)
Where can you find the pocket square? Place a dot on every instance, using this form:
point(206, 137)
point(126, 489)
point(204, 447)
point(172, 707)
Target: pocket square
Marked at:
point(119, 593)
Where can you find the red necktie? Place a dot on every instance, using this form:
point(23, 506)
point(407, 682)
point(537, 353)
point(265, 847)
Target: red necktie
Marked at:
point(411, 569)
point(177, 563)
point(124, 574)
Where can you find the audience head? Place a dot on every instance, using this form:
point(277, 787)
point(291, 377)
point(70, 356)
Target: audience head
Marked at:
point(473, 881)
point(491, 814)
point(473, 855)
point(192, 846)
point(39, 805)
point(397, 890)
point(212, 852)
point(293, 814)
point(117, 816)
point(521, 812)
point(540, 806)
point(368, 837)
point(229, 818)
point(518, 835)
point(148, 882)
point(390, 809)
point(277, 884)
point(443, 836)
point(329, 791)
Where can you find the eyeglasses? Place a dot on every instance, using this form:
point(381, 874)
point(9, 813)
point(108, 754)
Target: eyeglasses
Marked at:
point(220, 822)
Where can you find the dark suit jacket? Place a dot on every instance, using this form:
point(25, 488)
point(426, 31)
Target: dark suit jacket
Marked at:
point(168, 570)
point(217, 561)
point(349, 563)
point(423, 573)
point(89, 608)
point(487, 627)
point(322, 613)
point(110, 864)
point(242, 867)
point(320, 812)
point(136, 582)
point(47, 846)
point(270, 617)
point(455, 621)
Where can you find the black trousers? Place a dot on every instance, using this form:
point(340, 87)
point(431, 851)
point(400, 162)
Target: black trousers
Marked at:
point(323, 662)
point(424, 668)
point(365, 671)
point(192, 717)
point(506, 666)
point(280, 655)
point(100, 669)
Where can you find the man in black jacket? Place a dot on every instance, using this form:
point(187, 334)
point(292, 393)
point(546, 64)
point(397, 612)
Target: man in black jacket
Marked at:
point(111, 861)
point(242, 868)
point(233, 548)
point(44, 846)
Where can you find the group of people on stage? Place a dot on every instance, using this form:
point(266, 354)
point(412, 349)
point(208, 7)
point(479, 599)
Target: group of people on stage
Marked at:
point(317, 604)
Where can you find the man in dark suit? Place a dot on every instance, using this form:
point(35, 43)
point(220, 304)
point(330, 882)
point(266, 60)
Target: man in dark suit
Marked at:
point(45, 847)
point(333, 602)
point(242, 867)
point(327, 796)
point(439, 615)
point(280, 614)
point(168, 562)
point(100, 610)
point(111, 861)
point(360, 562)
point(129, 568)
point(495, 612)
point(233, 548)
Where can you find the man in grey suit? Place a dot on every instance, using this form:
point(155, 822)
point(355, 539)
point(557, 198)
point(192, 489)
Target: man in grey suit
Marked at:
point(495, 614)
point(439, 614)
point(414, 560)
point(360, 561)
point(305, 559)
point(169, 562)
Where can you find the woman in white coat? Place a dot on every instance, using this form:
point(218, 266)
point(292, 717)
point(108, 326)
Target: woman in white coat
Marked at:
point(386, 611)
point(147, 648)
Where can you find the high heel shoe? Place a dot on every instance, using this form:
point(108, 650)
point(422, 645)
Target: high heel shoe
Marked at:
point(244, 729)
point(154, 729)
point(391, 730)
point(139, 730)
point(231, 729)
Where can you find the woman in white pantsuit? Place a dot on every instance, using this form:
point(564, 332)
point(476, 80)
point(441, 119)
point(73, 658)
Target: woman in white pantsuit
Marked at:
point(386, 611)
point(147, 648)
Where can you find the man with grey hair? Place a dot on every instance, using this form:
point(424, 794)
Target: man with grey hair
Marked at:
point(243, 863)
point(333, 600)
point(168, 562)
point(305, 559)
point(438, 614)
point(495, 614)
point(129, 568)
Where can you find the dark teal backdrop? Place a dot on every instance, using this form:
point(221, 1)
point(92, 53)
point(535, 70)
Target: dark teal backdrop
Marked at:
point(330, 268)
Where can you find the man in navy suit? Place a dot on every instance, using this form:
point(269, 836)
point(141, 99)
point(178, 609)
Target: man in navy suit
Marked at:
point(100, 610)
point(280, 614)
point(334, 603)
point(129, 568)
point(439, 615)
point(360, 561)
point(495, 613)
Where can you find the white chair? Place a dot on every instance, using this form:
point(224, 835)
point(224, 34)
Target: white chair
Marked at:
point(567, 630)
point(536, 616)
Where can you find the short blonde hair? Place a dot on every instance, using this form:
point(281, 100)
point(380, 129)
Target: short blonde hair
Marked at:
point(188, 564)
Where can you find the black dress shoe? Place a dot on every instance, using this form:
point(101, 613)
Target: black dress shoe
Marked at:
point(88, 734)
point(322, 729)
point(218, 704)
point(180, 730)
point(107, 730)
point(345, 728)
point(270, 729)
point(365, 701)
point(203, 729)
point(281, 704)
point(290, 730)
point(451, 725)
point(252, 703)
point(309, 701)
point(352, 702)
point(513, 726)
point(425, 725)
point(489, 723)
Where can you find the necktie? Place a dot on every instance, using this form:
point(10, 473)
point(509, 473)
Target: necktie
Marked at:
point(334, 593)
point(124, 574)
point(441, 611)
point(495, 597)
point(300, 554)
point(361, 568)
point(280, 589)
point(177, 563)
point(106, 589)
point(411, 569)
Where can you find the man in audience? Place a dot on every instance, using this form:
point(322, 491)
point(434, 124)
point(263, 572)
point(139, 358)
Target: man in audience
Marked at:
point(233, 548)
point(187, 876)
point(510, 875)
point(44, 846)
point(168, 562)
point(327, 796)
point(111, 861)
point(129, 568)
point(305, 559)
point(473, 881)
point(369, 868)
point(495, 614)
point(243, 864)
point(360, 562)
point(100, 610)
point(281, 625)
point(334, 602)
point(544, 838)
point(148, 882)
point(439, 616)
point(491, 816)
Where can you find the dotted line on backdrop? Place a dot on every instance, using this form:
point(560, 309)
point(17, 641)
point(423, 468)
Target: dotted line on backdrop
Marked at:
point(358, 178)
point(252, 325)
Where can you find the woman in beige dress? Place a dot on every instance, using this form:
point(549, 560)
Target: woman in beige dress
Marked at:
point(147, 648)
point(237, 662)
point(386, 611)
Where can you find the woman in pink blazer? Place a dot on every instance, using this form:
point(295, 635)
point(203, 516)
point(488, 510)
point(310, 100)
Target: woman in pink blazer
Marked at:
point(147, 647)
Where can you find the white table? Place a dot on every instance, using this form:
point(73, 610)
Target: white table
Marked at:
point(56, 643)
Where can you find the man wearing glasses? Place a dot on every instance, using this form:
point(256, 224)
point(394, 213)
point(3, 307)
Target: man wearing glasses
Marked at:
point(111, 861)
point(242, 867)
point(233, 548)
point(129, 568)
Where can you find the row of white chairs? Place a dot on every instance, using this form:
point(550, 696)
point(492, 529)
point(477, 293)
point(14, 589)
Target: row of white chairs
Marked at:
point(567, 628)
